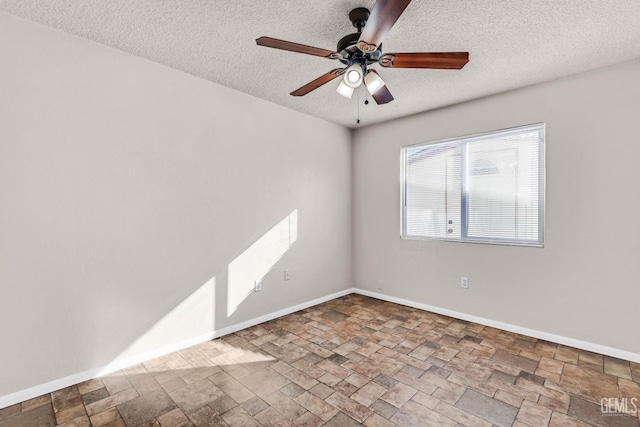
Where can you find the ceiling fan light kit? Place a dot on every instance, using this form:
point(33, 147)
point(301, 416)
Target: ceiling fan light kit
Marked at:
point(353, 76)
point(373, 82)
point(345, 90)
point(358, 51)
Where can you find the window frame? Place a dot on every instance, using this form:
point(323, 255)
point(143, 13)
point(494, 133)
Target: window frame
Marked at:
point(463, 140)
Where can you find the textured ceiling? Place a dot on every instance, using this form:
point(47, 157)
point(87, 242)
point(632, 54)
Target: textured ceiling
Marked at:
point(511, 44)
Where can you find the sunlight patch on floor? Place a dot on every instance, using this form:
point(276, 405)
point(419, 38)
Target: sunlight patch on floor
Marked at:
point(195, 314)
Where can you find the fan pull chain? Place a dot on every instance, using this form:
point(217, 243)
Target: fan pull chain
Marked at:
point(358, 120)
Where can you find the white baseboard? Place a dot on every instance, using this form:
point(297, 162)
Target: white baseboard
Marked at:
point(558, 339)
point(51, 386)
point(255, 321)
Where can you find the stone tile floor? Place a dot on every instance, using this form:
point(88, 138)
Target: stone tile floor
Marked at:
point(352, 361)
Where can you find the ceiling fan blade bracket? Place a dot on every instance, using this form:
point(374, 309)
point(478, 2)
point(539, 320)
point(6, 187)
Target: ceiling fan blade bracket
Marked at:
point(386, 60)
point(366, 47)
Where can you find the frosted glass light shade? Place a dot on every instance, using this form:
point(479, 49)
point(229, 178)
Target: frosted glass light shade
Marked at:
point(373, 82)
point(345, 90)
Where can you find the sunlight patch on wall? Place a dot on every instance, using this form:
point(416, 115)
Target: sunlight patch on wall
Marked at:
point(194, 316)
point(255, 262)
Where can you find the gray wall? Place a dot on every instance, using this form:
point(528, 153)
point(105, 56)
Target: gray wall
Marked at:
point(585, 283)
point(126, 191)
point(130, 191)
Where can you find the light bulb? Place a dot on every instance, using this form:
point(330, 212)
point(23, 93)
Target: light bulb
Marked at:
point(353, 76)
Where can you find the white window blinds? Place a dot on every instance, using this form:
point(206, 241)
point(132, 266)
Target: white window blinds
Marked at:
point(485, 188)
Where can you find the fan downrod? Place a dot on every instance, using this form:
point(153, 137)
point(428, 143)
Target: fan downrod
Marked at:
point(347, 44)
point(359, 17)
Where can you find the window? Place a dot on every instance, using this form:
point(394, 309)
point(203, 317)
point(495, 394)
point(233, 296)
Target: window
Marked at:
point(484, 188)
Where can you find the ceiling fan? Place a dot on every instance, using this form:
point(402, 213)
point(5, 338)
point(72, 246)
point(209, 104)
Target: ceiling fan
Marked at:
point(359, 50)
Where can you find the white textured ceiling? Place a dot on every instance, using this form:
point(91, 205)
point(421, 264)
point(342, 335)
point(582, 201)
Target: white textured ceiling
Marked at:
point(511, 44)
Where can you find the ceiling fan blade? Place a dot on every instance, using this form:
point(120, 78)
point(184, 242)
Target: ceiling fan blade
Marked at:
point(296, 47)
point(315, 84)
point(382, 95)
point(385, 13)
point(439, 60)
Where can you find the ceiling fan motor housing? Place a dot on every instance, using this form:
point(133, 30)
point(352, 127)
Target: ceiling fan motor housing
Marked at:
point(347, 41)
point(349, 52)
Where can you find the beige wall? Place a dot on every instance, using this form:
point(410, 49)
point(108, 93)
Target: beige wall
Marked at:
point(127, 192)
point(585, 283)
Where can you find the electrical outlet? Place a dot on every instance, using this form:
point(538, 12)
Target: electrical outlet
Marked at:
point(287, 275)
point(258, 285)
point(464, 283)
point(380, 285)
